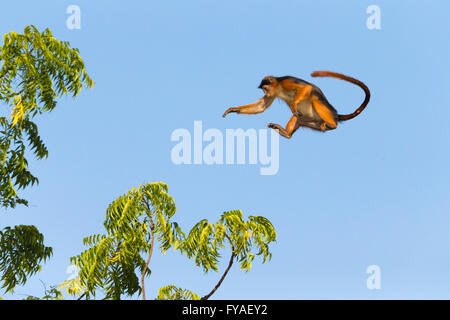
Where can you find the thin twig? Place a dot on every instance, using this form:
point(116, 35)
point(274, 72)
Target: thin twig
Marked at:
point(81, 297)
point(224, 274)
point(5, 72)
point(152, 228)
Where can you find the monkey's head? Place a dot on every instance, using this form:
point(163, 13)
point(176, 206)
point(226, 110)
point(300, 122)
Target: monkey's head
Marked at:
point(268, 85)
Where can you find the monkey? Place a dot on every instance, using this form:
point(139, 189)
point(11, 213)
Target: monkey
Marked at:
point(309, 106)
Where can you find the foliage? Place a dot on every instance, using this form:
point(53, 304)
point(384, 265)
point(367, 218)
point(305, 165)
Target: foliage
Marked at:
point(50, 294)
point(36, 70)
point(22, 250)
point(205, 240)
point(132, 222)
point(175, 293)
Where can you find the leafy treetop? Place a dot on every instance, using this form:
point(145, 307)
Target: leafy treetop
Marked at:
point(36, 69)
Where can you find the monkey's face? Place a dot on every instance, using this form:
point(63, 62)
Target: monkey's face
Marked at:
point(268, 85)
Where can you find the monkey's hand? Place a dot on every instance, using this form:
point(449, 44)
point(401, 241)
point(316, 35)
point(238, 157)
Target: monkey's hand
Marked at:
point(252, 108)
point(274, 126)
point(229, 110)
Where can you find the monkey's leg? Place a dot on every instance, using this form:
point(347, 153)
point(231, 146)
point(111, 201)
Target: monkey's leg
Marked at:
point(259, 106)
point(292, 125)
point(325, 114)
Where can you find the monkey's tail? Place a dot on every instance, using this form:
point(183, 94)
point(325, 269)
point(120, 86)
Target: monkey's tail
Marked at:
point(349, 79)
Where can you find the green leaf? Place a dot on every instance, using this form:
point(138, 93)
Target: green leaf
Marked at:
point(22, 251)
point(174, 293)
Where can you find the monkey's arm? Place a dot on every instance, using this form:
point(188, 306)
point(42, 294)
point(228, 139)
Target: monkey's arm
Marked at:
point(259, 106)
point(302, 92)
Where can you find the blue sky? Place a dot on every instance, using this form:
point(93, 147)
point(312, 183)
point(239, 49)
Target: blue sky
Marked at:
point(373, 192)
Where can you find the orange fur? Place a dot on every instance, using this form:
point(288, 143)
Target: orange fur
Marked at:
point(324, 112)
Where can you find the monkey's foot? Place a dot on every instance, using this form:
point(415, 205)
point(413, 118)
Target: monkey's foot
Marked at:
point(274, 126)
point(280, 130)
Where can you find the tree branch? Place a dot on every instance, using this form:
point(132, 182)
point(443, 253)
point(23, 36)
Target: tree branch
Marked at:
point(224, 274)
point(81, 297)
point(4, 72)
point(152, 228)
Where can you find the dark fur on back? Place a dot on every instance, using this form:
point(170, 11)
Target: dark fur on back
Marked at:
point(316, 90)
